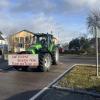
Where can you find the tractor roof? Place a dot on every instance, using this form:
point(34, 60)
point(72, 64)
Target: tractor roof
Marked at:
point(42, 34)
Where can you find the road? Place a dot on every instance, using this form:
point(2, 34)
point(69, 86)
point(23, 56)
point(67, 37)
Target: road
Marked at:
point(18, 85)
point(78, 59)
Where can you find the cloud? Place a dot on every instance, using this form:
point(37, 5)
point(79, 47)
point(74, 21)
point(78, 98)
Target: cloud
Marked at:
point(37, 23)
point(4, 3)
point(48, 6)
point(53, 6)
point(41, 23)
point(34, 6)
point(39, 15)
point(88, 4)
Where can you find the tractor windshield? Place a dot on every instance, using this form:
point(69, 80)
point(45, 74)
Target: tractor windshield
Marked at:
point(41, 39)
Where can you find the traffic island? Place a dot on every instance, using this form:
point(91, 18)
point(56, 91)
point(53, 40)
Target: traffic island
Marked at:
point(82, 77)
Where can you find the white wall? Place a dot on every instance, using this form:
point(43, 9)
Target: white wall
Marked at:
point(2, 42)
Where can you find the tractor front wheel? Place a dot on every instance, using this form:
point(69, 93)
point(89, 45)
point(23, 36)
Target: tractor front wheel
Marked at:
point(44, 62)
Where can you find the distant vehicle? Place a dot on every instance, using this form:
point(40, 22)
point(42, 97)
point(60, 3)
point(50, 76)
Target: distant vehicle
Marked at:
point(61, 50)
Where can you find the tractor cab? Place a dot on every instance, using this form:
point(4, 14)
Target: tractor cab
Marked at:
point(43, 39)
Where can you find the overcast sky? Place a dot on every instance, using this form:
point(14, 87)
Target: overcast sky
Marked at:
point(65, 18)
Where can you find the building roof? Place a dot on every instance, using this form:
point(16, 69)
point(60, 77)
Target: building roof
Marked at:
point(27, 31)
point(20, 32)
point(1, 38)
point(24, 31)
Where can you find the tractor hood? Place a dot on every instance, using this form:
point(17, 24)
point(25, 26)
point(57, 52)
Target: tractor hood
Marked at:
point(34, 47)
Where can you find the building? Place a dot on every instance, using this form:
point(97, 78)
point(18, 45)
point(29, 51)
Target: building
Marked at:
point(55, 40)
point(2, 41)
point(20, 41)
point(3, 45)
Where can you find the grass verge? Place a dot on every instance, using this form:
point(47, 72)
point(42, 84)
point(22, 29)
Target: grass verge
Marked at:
point(82, 77)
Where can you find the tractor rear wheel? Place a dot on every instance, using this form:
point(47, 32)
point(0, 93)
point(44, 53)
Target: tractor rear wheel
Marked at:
point(44, 62)
point(55, 57)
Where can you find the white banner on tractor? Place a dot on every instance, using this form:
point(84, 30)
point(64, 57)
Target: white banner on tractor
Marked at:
point(23, 60)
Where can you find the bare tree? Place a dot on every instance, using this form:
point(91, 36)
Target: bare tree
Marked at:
point(93, 22)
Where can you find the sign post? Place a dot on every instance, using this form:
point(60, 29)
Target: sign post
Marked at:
point(97, 54)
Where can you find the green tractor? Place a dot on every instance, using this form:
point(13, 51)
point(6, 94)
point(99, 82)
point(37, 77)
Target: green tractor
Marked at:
point(47, 51)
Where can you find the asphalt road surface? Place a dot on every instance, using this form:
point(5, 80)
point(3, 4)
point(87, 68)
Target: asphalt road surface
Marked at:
point(18, 85)
point(78, 59)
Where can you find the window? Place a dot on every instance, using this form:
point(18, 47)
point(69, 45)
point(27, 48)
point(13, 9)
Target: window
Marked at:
point(21, 44)
point(27, 39)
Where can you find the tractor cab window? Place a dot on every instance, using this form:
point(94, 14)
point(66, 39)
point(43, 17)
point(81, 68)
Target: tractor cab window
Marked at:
point(41, 39)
